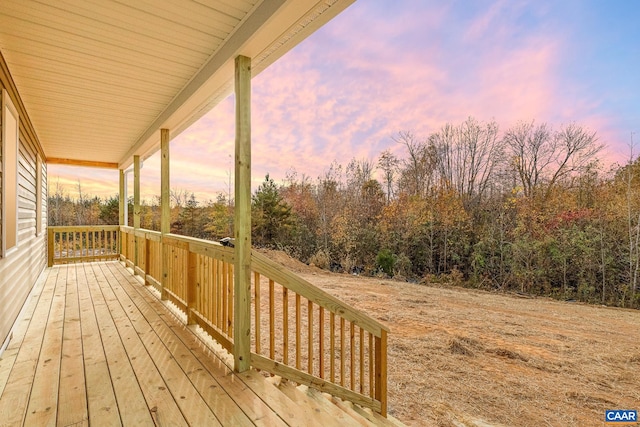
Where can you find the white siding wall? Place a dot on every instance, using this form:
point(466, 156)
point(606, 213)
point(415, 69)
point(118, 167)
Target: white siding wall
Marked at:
point(20, 269)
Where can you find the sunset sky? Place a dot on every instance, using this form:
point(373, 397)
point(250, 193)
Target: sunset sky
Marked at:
point(386, 66)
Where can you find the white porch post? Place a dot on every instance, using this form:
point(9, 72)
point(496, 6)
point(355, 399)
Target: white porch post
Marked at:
point(242, 233)
point(165, 212)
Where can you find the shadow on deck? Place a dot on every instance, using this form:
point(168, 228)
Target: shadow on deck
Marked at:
point(95, 346)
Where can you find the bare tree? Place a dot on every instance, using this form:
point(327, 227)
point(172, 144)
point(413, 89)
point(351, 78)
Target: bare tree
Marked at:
point(179, 197)
point(329, 201)
point(467, 156)
point(358, 173)
point(418, 169)
point(388, 162)
point(542, 156)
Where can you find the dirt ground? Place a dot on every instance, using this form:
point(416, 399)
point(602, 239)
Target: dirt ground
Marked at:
point(460, 357)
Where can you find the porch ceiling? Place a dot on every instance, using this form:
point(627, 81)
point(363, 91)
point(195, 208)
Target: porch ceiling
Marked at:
point(99, 78)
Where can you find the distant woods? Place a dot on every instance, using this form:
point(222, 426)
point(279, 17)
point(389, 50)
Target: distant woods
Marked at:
point(529, 209)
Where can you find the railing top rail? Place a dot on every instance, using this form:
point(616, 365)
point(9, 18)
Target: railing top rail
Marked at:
point(83, 227)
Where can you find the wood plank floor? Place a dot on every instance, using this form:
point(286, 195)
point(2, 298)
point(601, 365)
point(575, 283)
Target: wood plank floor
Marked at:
point(95, 347)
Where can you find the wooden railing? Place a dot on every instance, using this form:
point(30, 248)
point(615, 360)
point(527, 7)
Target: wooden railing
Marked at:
point(308, 336)
point(199, 276)
point(82, 244)
point(298, 331)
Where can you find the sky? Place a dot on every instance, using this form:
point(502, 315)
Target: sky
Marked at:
point(381, 67)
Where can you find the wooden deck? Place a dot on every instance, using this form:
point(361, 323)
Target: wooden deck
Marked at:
point(95, 347)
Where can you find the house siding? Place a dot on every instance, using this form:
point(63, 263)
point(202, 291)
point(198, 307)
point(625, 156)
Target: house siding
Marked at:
point(20, 269)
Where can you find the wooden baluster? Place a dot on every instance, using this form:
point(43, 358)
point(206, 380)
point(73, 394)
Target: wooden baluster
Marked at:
point(332, 347)
point(321, 349)
point(192, 287)
point(219, 297)
point(285, 325)
point(256, 281)
point(216, 285)
point(310, 337)
point(202, 303)
point(272, 327)
point(230, 301)
point(298, 343)
point(225, 286)
point(361, 360)
point(211, 291)
point(352, 354)
point(371, 376)
point(147, 260)
point(342, 351)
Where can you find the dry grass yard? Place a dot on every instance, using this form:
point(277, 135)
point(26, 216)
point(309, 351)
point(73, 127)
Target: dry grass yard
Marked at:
point(461, 357)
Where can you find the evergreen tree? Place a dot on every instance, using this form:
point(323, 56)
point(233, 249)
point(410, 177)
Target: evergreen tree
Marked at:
point(271, 215)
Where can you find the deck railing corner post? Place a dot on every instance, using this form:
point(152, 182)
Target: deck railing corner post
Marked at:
point(381, 371)
point(50, 246)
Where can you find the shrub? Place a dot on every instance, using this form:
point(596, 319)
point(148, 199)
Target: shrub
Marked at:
point(402, 266)
point(320, 259)
point(386, 261)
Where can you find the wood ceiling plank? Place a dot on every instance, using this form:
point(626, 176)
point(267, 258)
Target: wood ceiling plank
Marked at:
point(131, 49)
point(118, 18)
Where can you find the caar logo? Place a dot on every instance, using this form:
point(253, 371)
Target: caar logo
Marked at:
point(625, 416)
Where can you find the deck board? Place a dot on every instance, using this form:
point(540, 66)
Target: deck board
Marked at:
point(43, 408)
point(167, 391)
point(96, 347)
point(135, 369)
point(131, 404)
point(72, 394)
point(10, 355)
point(16, 394)
point(101, 399)
point(149, 322)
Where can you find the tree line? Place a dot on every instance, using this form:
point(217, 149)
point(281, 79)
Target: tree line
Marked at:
point(530, 209)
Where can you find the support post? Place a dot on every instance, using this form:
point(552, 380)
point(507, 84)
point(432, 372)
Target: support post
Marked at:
point(242, 232)
point(136, 207)
point(381, 372)
point(121, 212)
point(165, 208)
